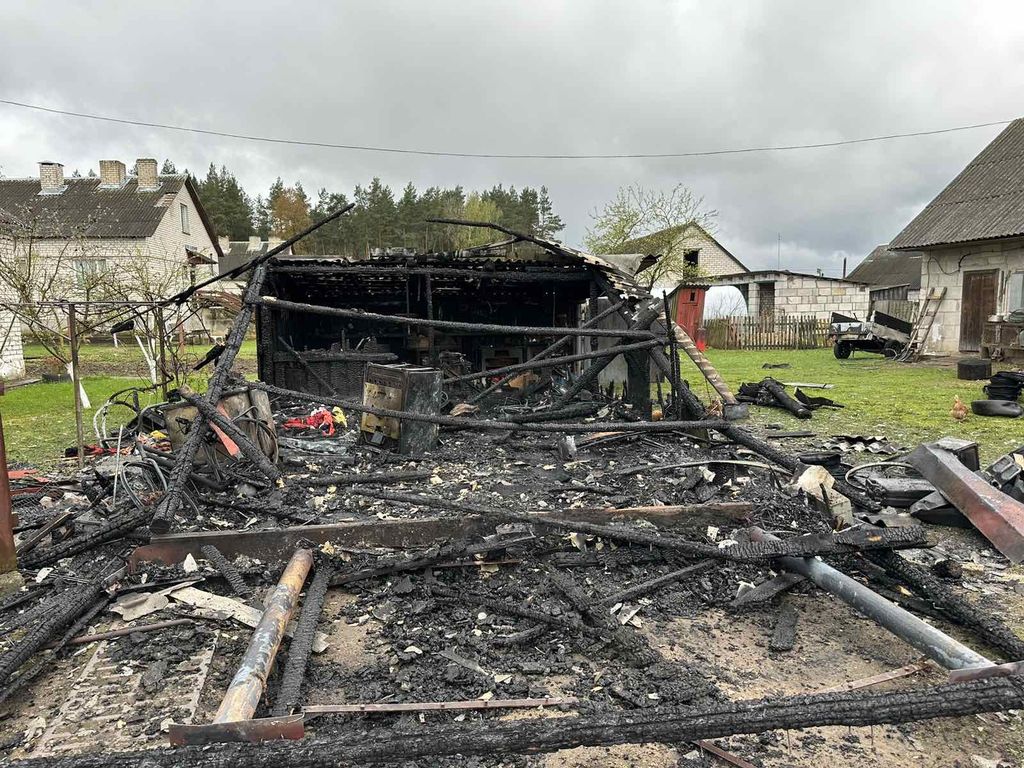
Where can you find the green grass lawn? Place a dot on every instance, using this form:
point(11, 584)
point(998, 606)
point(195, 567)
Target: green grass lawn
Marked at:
point(906, 403)
point(125, 359)
point(39, 419)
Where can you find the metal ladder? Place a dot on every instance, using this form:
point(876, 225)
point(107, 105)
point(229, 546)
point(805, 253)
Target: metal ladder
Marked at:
point(925, 319)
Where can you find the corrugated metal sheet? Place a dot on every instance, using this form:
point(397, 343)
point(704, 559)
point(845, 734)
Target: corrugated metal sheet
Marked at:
point(985, 201)
point(86, 210)
point(884, 267)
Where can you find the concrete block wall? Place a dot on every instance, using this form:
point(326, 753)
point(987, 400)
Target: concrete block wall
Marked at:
point(945, 268)
point(809, 295)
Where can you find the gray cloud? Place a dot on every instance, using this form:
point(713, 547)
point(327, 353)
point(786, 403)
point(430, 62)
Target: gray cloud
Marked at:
point(542, 77)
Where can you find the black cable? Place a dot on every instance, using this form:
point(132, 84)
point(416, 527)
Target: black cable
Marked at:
point(494, 155)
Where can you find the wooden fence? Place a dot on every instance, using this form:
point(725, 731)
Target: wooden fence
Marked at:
point(767, 332)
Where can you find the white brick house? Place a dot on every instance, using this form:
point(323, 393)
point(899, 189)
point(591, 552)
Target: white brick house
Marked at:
point(12, 359)
point(138, 236)
point(970, 241)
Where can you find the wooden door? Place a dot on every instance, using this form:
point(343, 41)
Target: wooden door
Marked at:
point(978, 302)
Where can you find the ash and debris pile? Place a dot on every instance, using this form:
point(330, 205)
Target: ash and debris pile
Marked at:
point(477, 549)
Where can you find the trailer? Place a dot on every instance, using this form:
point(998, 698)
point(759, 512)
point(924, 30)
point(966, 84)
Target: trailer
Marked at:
point(881, 333)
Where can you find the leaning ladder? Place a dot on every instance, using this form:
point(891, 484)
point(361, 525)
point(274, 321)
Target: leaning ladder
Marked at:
point(925, 319)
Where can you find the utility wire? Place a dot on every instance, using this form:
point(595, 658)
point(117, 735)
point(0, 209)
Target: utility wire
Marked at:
point(496, 155)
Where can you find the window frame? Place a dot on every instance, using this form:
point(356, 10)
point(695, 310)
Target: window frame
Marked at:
point(184, 217)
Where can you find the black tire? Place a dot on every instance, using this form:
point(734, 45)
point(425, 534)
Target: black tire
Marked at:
point(892, 349)
point(842, 350)
point(1005, 408)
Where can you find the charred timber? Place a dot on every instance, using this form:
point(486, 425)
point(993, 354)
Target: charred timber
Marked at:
point(840, 543)
point(989, 627)
point(301, 647)
point(654, 725)
point(512, 276)
point(451, 325)
point(549, 350)
point(485, 424)
point(553, 362)
point(167, 508)
point(356, 478)
point(226, 569)
point(249, 449)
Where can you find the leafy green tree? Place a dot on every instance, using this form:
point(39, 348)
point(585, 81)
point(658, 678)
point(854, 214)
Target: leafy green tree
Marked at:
point(641, 220)
point(289, 211)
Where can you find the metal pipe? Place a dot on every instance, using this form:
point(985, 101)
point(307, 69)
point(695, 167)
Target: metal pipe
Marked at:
point(936, 645)
point(246, 689)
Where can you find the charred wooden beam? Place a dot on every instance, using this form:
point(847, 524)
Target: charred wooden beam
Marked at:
point(228, 571)
point(653, 585)
point(287, 699)
point(988, 626)
point(249, 449)
point(487, 424)
point(168, 506)
point(450, 325)
point(525, 275)
point(653, 725)
point(843, 542)
point(356, 478)
point(552, 362)
point(550, 350)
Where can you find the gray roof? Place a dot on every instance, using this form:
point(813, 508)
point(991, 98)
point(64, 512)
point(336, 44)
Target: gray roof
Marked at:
point(239, 252)
point(985, 201)
point(883, 268)
point(84, 209)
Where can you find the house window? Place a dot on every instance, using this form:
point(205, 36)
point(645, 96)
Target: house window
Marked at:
point(1015, 291)
point(692, 257)
point(184, 217)
point(88, 272)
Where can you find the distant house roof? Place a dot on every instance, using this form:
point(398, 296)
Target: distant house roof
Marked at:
point(884, 268)
point(644, 244)
point(985, 201)
point(85, 209)
point(763, 275)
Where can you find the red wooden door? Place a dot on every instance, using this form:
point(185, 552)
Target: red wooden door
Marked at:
point(690, 309)
point(978, 302)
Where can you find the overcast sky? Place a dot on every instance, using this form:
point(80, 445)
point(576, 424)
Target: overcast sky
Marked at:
point(539, 77)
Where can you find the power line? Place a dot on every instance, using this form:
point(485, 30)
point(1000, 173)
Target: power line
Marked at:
point(496, 155)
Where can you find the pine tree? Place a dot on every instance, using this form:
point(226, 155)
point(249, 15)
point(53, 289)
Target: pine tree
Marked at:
point(168, 169)
point(549, 223)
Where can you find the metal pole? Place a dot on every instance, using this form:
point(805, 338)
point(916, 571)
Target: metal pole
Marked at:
point(76, 379)
point(161, 332)
point(246, 689)
point(936, 645)
point(8, 559)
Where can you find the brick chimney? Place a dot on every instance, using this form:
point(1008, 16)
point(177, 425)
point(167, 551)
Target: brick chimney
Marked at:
point(112, 174)
point(51, 178)
point(147, 169)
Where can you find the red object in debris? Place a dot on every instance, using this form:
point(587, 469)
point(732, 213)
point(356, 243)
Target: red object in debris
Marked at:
point(318, 419)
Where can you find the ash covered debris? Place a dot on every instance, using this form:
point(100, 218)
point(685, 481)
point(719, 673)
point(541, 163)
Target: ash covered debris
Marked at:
point(478, 524)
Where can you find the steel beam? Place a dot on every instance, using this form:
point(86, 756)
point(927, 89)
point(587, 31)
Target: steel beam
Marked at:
point(936, 645)
point(1000, 518)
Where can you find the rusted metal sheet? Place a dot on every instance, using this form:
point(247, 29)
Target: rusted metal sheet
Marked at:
point(275, 544)
point(1000, 518)
point(247, 686)
point(260, 729)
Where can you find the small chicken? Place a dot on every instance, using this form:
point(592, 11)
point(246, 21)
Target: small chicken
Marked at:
point(959, 412)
